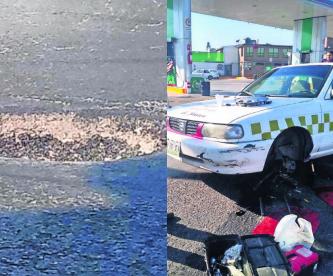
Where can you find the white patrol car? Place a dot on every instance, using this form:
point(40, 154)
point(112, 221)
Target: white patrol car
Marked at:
point(285, 118)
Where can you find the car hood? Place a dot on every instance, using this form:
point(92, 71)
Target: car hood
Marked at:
point(210, 111)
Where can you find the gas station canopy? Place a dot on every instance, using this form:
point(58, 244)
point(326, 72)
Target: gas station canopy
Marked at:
point(280, 14)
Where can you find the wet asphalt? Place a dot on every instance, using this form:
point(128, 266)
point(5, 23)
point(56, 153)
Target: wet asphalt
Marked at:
point(84, 218)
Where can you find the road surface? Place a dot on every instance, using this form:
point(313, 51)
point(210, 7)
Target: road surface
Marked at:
point(84, 218)
point(80, 56)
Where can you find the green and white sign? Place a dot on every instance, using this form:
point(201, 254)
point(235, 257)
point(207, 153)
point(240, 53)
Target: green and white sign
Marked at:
point(196, 84)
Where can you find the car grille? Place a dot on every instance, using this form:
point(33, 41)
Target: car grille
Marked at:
point(183, 126)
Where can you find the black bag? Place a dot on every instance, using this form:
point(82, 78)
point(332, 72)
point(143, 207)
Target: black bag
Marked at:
point(260, 256)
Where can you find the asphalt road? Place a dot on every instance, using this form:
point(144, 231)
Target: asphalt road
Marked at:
point(84, 218)
point(206, 204)
point(93, 58)
point(80, 56)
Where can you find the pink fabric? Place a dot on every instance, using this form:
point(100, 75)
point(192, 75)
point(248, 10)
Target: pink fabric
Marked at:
point(301, 258)
point(269, 223)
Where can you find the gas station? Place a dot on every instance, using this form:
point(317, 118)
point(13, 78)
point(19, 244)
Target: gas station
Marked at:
point(310, 20)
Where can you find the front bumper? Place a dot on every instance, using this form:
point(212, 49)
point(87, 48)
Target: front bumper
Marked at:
point(224, 158)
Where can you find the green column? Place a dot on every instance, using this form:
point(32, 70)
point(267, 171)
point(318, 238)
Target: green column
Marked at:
point(306, 40)
point(170, 32)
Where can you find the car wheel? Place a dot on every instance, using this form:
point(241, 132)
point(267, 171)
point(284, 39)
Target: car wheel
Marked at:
point(287, 156)
point(210, 77)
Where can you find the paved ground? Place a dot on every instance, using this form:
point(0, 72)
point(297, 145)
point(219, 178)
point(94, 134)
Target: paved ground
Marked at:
point(83, 219)
point(80, 56)
point(205, 204)
point(95, 69)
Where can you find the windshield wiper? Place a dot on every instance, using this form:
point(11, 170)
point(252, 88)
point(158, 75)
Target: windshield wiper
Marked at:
point(268, 95)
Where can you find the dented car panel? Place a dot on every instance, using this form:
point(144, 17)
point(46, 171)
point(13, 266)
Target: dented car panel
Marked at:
point(224, 158)
point(261, 126)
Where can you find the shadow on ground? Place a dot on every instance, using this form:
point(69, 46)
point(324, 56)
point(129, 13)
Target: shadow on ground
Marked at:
point(238, 188)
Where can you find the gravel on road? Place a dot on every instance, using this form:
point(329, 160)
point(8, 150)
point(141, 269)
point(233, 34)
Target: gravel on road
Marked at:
point(70, 137)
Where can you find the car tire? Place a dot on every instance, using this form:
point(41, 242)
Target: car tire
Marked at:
point(296, 142)
point(210, 77)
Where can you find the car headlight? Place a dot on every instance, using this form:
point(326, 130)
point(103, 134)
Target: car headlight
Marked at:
point(222, 131)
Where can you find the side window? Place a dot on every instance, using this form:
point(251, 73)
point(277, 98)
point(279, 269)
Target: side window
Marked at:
point(261, 52)
point(206, 71)
point(249, 51)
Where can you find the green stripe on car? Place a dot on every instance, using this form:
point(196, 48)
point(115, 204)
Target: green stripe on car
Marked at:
point(314, 119)
point(302, 120)
point(256, 128)
point(289, 122)
point(266, 136)
point(310, 129)
point(274, 125)
point(326, 118)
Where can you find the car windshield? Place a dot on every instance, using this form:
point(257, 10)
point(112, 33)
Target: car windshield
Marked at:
point(294, 81)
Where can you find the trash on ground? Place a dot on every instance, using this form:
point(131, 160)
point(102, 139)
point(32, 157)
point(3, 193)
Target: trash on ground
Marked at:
point(292, 231)
point(302, 260)
point(232, 255)
point(269, 223)
point(257, 255)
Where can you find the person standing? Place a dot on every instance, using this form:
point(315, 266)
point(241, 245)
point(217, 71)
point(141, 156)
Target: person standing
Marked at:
point(328, 57)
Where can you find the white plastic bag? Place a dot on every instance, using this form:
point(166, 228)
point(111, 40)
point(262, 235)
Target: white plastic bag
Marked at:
point(293, 230)
point(232, 254)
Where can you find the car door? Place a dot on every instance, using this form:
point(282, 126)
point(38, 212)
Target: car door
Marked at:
point(326, 143)
point(318, 123)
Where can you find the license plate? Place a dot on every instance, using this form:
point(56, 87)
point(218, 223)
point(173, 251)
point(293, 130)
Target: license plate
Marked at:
point(173, 148)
